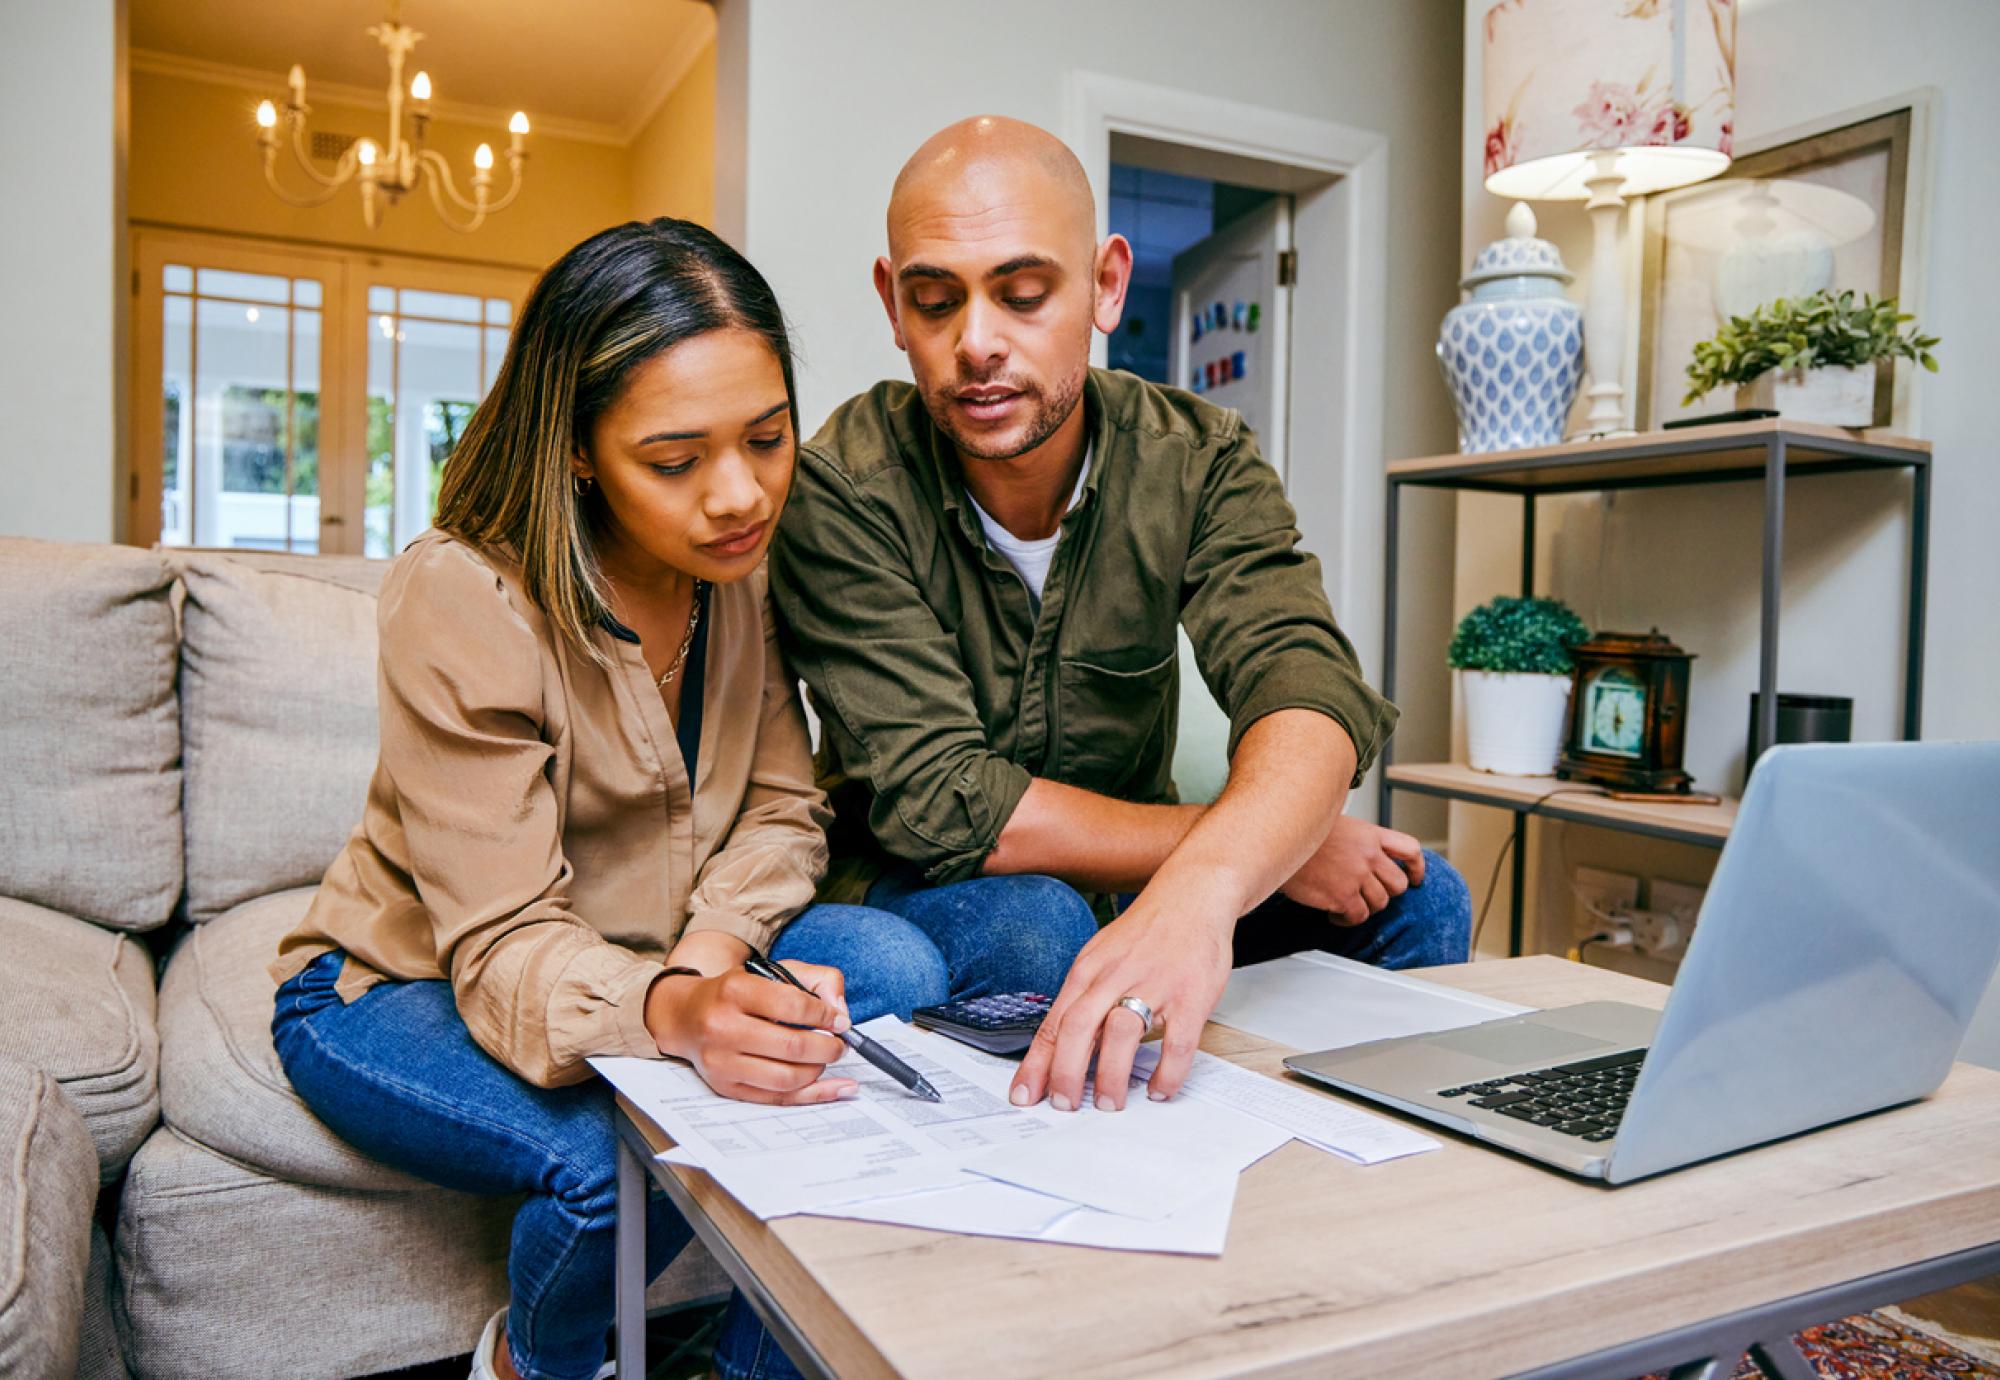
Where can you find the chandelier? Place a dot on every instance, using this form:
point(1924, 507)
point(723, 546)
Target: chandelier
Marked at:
point(387, 171)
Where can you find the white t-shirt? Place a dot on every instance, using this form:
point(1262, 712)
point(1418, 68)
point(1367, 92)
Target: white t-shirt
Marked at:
point(1030, 558)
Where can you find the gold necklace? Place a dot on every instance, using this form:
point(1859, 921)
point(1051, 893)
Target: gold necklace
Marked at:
point(687, 642)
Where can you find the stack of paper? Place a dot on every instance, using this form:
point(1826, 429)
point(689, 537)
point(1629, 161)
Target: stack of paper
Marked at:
point(1158, 1176)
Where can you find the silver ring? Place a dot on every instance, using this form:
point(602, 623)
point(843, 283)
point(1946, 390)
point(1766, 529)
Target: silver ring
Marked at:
point(1141, 1010)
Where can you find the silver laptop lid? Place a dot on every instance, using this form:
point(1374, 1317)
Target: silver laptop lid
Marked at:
point(1850, 929)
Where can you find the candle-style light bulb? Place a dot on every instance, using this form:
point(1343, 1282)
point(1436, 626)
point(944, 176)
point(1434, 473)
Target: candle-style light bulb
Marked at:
point(420, 87)
point(519, 124)
point(482, 157)
point(297, 81)
point(267, 115)
point(365, 151)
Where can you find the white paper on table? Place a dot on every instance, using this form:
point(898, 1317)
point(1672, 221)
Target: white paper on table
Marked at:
point(1308, 1116)
point(989, 1208)
point(1150, 1160)
point(979, 1207)
point(1313, 1001)
point(1201, 1228)
point(779, 1160)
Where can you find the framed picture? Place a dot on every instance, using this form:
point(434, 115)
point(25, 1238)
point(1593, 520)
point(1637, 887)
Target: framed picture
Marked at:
point(1827, 209)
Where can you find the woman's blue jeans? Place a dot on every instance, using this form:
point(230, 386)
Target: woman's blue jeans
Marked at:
point(396, 1074)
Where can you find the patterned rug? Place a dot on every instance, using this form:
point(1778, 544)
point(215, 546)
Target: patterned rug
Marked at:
point(1870, 1346)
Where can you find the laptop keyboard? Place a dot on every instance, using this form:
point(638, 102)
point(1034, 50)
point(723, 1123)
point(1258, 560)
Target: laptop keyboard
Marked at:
point(1584, 1099)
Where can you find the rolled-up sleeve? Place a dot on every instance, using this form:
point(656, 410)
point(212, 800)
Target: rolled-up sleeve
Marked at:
point(461, 716)
point(1254, 606)
point(888, 679)
point(765, 870)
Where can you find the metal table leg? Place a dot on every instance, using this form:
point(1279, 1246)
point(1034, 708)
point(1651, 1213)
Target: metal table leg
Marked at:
point(787, 1332)
point(630, 1283)
point(1765, 1331)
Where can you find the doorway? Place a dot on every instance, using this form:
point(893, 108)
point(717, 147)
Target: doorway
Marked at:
point(1333, 180)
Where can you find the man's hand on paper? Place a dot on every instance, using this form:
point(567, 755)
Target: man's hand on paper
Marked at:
point(1357, 871)
point(1173, 953)
point(741, 1032)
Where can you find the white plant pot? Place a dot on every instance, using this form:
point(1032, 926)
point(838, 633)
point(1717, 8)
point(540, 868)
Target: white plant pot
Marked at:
point(1835, 396)
point(1514, 721)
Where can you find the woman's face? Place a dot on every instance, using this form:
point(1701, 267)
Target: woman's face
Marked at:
point(694, 459)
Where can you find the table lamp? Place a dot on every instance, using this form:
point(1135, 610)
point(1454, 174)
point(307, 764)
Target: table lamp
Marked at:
point(1598, 100)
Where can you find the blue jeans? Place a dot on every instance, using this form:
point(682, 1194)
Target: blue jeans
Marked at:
point(1425, 926)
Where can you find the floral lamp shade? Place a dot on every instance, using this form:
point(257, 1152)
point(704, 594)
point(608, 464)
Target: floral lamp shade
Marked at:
point(1569, 78)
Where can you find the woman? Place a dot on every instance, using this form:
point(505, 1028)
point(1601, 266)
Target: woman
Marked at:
point(594, 794)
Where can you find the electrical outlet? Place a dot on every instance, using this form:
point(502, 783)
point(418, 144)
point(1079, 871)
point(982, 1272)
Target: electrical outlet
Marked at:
point(1682, 900)
point(1664, 928)
point(1600, 894)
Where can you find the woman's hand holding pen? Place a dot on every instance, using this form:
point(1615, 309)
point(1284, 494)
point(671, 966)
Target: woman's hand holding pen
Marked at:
point(753, 1039)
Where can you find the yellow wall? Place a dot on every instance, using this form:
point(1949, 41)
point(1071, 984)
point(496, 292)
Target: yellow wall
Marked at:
point(195, 163)
point(673, 158)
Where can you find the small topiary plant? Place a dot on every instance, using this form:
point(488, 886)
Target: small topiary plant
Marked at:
point(1513, 634)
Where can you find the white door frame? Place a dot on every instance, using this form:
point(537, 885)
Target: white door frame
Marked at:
point(1339, 176)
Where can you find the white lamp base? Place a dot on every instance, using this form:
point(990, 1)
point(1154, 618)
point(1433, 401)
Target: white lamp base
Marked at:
point(1604, 310)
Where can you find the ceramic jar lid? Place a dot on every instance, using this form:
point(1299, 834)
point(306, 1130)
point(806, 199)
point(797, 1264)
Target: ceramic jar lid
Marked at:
point(1519, 255)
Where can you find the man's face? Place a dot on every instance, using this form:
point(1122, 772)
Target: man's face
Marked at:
point(991, 287)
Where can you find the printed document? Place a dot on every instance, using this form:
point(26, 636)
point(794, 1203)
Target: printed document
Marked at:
point(780, 1160)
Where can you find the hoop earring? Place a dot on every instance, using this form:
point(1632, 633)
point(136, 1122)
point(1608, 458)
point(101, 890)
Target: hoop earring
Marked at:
point(583, 483)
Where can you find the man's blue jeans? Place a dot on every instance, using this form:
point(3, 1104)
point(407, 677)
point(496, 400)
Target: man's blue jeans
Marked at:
point(1427, 925)
point(396, 1074)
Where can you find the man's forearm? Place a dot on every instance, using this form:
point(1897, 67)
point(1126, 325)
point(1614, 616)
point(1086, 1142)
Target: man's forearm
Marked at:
point(1091, 841)
point(1287, 783)
point(1284, 765)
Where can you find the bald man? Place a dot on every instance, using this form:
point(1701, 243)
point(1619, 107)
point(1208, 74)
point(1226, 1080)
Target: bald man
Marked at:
point(980, 579)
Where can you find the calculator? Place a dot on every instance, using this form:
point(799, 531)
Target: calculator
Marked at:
point(1004, 1023)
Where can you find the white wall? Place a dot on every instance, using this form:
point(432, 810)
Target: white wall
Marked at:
point(1686, 559)
point(62, 270)
point(835, 94)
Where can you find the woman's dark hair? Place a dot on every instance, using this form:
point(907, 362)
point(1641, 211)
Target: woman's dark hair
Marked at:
point(607, 306)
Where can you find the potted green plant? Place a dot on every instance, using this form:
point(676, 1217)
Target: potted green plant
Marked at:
point(1812, 358)
point(1514, 658)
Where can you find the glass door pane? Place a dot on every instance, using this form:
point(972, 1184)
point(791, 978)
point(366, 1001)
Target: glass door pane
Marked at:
point(429, 364)
point(240, 385)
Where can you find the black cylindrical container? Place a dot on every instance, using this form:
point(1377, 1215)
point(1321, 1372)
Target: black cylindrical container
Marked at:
point(1806, 719)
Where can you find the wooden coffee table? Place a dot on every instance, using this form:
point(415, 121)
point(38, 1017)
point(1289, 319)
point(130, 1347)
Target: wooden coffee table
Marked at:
point(1463, 1262)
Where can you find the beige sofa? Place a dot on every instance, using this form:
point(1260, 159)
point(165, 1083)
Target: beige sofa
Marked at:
point(187, 740)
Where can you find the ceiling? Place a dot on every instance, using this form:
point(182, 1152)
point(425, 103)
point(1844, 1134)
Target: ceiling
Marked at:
point(605, 63)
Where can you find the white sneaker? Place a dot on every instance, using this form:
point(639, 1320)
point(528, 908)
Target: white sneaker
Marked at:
point(482, 1355)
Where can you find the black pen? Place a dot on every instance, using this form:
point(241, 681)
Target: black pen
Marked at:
point(852, 1038)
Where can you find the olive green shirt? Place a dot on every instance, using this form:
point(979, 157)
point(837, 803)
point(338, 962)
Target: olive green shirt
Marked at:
point(941, 687)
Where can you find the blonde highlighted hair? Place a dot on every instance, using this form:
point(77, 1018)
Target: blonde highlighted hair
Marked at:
point(621, 297)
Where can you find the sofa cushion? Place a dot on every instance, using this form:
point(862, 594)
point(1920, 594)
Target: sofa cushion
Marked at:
point(77, 1001)
point(99, 1353)
point(90, 802)
point(277, 718)
point(48, 1181)
point(221, 1268)
point(220, 1079)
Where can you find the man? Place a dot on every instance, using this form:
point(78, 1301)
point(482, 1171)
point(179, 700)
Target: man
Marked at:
point(980, 580)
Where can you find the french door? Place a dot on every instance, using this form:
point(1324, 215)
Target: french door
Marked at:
point(295, 398)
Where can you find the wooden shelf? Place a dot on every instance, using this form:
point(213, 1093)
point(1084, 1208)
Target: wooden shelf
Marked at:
point(1685, 455)
point(1706, 825)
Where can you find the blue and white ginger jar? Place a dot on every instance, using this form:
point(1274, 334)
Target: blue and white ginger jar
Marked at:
point(1513, 355)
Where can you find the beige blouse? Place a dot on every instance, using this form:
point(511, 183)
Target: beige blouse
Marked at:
point(530, 832)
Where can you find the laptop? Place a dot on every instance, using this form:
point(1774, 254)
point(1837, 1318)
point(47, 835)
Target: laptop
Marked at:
point(1849, 932)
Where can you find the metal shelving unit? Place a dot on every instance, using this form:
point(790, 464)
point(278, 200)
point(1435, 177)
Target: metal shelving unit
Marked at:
point(1770, 451)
